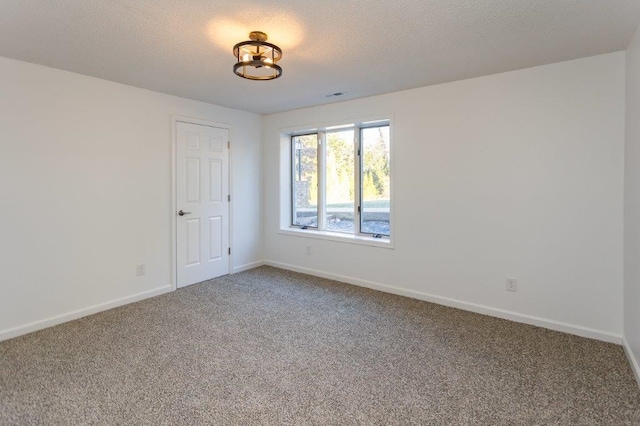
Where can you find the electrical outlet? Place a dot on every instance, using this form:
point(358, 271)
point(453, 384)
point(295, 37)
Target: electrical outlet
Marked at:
point(140, 270)
point(512, 284)
point(308, 250)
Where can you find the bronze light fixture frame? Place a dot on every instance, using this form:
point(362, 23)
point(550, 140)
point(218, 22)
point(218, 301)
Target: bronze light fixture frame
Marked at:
point(258, 59)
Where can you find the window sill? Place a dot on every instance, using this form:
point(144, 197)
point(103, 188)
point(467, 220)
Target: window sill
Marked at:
point(339, 237)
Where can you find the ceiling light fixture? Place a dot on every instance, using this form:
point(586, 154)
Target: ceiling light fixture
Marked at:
point(257, 59)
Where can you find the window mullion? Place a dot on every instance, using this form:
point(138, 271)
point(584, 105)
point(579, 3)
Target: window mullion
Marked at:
point(357, 196)
point(293, 180)
point(322, 150)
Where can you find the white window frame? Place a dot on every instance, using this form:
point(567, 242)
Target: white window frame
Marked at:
point(287, 183)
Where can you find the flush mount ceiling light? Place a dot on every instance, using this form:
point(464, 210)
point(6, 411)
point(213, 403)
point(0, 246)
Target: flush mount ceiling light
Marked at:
point(257, 59)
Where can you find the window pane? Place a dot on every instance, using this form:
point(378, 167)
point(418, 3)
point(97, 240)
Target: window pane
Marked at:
point(305, 180)
point(375, 180)
point(339, 182)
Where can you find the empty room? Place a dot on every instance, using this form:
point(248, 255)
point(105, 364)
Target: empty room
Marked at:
point(331, 212)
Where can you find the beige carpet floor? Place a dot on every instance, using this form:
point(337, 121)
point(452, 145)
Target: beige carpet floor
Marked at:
point(268, 346)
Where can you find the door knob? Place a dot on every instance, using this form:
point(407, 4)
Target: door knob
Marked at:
point(181, 213)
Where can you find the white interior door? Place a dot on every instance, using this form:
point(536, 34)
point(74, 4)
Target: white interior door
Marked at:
point(202, 191)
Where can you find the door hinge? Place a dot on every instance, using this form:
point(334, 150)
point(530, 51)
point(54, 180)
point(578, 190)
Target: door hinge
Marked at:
point(229, 197)
point(229, 250)
point(228, 144)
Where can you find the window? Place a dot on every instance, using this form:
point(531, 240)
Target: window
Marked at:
point(376, 182)
point(305, 180)
point(341, 180)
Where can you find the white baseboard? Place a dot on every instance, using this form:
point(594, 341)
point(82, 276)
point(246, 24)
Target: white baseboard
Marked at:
point(247, 266)
point(632, 359)
point(454, 303)
point(59, 319)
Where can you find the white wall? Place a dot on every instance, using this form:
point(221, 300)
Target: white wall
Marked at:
point(632, 206)
point(85, 184)
point(516, 174)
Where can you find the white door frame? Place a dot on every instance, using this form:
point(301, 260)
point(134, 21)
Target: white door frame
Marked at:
point(175, 119)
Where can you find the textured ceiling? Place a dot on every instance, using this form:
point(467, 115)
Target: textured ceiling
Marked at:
point(360, 47)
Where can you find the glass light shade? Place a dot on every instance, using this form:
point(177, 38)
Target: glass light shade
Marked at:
point(256, 58)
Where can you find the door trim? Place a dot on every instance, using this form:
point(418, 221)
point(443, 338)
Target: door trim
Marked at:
point(175, 119)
